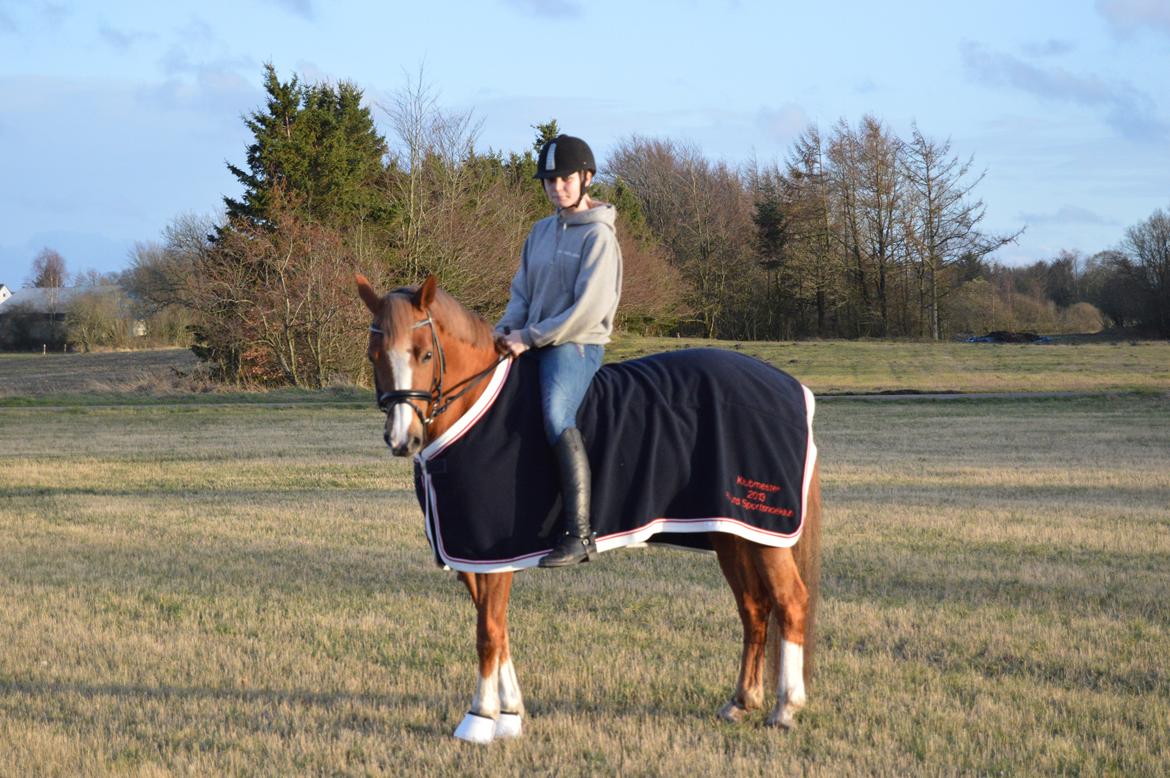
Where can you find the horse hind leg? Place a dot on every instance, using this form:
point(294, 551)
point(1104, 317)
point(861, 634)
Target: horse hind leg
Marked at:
point(780, 577)
point(753, 606)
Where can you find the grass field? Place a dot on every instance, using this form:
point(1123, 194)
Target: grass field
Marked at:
point(245, 589)
point(828, 367)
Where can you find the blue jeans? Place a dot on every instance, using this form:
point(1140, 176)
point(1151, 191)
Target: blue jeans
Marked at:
point(565, 373)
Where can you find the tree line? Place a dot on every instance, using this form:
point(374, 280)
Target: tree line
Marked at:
point(859, 233)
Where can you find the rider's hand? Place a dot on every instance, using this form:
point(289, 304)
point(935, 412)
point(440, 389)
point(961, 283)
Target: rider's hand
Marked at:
point(511, 344)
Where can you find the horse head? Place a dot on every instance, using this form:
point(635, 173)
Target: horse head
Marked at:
point(405, 354)
point(429, 354)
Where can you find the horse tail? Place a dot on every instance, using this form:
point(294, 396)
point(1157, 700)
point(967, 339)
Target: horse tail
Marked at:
point(807, 553)
point(808, 562)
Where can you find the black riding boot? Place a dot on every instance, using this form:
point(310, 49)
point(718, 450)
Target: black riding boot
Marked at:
point(577, 544)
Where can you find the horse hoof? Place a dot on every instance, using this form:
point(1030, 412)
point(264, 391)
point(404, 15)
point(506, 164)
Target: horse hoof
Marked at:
point(784, 718)
point(476, 729)
point(508, 725)
point(732, 712)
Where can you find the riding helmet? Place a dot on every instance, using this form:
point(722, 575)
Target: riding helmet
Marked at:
point(564, 155)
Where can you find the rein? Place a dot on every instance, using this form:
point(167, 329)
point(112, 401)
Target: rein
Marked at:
point(437, 400)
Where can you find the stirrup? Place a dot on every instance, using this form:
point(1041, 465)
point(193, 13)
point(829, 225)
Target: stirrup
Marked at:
point(571, 551)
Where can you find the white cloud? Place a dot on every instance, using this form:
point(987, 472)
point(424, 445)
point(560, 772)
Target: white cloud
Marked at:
point(1053, 47)
point(1067, 214)
point(1128, 110)
point(120, 39)
point(1129, 16)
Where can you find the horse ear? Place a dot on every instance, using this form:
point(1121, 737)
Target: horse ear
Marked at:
point(426, 292)
point(371, 298)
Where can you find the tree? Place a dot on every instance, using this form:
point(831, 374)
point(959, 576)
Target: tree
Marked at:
point(806, 196)
point(98, 317)
point(48, 270)
point(159, 279)
point(944, 216)
point(275, 301)
point(1061, 283)
point(428, 177)
point(867, 199)
point(701, 212)
point(317, 141)
point(1146, 249)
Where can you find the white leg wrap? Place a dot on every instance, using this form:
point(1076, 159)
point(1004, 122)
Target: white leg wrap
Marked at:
point(508, 725)
point(476, 729)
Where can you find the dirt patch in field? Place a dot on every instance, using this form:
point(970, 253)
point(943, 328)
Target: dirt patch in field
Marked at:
point(158, 371)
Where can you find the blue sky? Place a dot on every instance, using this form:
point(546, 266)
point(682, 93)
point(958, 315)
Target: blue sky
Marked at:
point(119, 116)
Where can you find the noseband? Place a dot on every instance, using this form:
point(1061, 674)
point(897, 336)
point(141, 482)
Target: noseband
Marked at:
point(436, 399)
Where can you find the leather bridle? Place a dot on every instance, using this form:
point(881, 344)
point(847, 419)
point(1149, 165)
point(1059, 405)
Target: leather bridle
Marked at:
point(437, 401)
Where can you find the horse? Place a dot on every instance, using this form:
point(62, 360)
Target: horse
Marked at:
point(432, 362)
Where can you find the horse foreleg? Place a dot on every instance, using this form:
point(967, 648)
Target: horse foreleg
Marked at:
point(490, 592)
point(780, 577)
point(753, 605)
point(511, 703)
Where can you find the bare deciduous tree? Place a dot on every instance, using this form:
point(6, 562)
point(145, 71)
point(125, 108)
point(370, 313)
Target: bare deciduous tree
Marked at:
point(48, 270)
point(1147, 250)
point(702, 212)
point(944, 218)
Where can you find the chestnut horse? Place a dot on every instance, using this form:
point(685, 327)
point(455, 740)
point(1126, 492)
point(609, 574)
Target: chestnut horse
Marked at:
point(430, 356)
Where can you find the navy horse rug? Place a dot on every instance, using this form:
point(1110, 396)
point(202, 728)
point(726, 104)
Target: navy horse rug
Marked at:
point(680, 444)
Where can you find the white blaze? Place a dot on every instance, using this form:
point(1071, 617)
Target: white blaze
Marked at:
point(401, 414)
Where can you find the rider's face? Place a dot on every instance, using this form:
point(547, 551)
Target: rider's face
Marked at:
point(563, 191)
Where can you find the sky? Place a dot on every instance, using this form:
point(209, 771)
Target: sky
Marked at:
point(119, 117)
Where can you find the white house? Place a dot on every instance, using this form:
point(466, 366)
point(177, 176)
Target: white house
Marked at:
point(5, 293)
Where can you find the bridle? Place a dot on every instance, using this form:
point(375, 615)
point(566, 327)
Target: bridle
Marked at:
point(436, 399)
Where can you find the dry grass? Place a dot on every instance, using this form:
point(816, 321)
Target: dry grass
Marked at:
point(877, 366)
point(247, 590)
point(828, 367)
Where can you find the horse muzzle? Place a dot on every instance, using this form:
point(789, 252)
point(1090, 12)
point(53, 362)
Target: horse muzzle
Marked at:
point(410, 445)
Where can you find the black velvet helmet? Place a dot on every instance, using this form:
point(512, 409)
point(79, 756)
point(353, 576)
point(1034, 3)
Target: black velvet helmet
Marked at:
point(564, 155)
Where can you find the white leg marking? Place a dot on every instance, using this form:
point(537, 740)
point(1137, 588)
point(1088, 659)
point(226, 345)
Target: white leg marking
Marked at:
point(790, 694)
point(401, 416)
point(508, 725)
point(486, 701)
point(479, 725)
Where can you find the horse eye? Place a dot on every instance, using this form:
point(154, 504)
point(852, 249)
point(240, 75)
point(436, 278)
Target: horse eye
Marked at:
point(426, 357)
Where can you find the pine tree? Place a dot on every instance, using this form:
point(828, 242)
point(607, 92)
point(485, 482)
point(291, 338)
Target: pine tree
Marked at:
point(317, 143)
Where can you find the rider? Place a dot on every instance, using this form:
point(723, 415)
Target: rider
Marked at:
point(562, 305)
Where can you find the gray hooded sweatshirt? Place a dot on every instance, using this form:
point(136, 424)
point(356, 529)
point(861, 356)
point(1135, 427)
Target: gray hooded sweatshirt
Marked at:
point(569, 281)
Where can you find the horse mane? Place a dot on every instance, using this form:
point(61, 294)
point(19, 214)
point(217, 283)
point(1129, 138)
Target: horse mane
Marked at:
point(460, 322)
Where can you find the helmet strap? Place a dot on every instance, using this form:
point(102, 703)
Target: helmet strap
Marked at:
point(581, 194)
